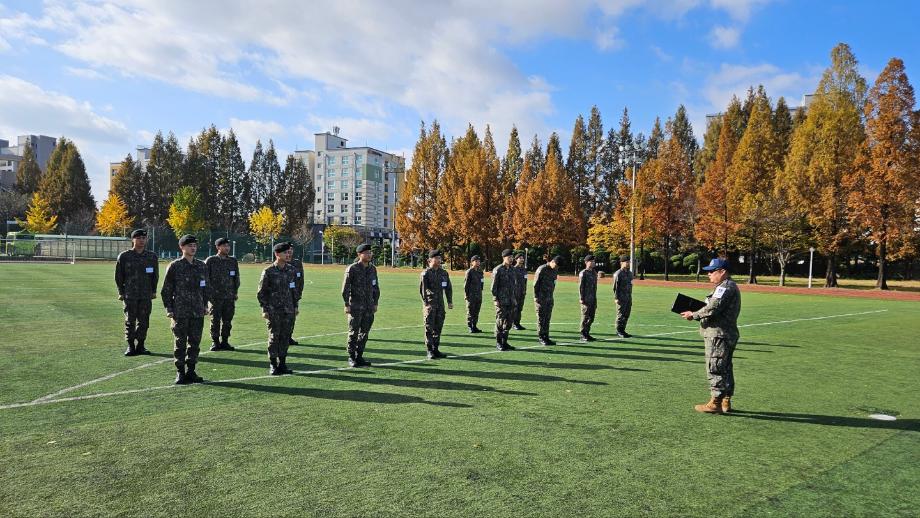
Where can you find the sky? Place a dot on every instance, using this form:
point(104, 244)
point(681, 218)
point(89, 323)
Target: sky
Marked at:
point(110, 74)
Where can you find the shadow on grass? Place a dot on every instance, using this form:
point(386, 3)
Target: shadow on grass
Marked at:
point(310, 355)
point(362, 396)
point(912, 425)
point(514, 376)
point(545, 365)
point(367, 377)
point(572, 351)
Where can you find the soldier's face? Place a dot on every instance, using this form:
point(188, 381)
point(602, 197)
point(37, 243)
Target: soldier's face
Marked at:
point(589, 264)
point(624, 265)
point(507, 260)
point(435, 262)
point(189, 250)
point(475, 264)
point(224, 249)
point(366, 256)
point(717, 276)
point(139, 242)
point(519, 261)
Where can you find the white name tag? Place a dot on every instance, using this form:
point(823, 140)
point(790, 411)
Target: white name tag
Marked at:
point(373, 282)
point(201, 283)
point(525, 276)
point(443, 284)
point(482, 281)
point(719, 292)
point(232, 273)
point(291, 285)
point(149, 269)
point(298, 274)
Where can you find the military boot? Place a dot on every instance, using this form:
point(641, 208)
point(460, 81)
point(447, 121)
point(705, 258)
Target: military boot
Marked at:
point(215, 345)
point(518, 327)
point(130, 351)
point(282, 366)
point(505, 345)
point(273, 370)
point(714, 406)
point(360, 361)
point(191, 376)
point(225, 345)
point(475, 330)
point(180, 376)
point(141, 349)
point(352, 359)
point(726, 404)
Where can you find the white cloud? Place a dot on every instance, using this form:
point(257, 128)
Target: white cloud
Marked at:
point(739, 10)
point(724, 37)
point(86, 73)
point(248, 131)
point(661, 54)
point(607, 39)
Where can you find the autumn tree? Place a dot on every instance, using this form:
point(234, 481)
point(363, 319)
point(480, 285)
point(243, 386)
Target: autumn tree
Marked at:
point(128, 186)
point(823, 151)
point(576, 166)
point(448, 227)
point(65, 184)
point(535, 156)
point(265, 224)
point(186, 215)
point(28, 172)
point(114, 218)
point(419, 193)
point(512, 163)
point(40, 218)
point(883, 185)
point(479, 201)
point(714, 224)
point(298, 195)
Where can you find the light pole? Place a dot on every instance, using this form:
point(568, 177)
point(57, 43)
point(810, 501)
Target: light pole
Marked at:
point(624, 160)
point(322, 248)
point(811, 261)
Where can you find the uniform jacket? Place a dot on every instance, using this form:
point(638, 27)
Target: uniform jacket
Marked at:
point(587, 286)
point(223, 276)
point(622, 284)
point(185, 290)
point(544, 283)
point(360, 288)
point(434, 283)
point(277, 290)
point(472, 284)
point(137, 274)
point(504, 285)
point(719, 318)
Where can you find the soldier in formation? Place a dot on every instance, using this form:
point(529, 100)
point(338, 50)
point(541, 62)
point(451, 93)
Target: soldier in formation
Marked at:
point(587, 295)
point(279, 302)
point(520, 291)
point(719, 327)
point(544, 285)
point(224, 280)
point(433, 286)
point(297, 266)
point(136, 275)
point(185, 296)
point(622, 295)
point(473, 282)
point(504, 295)
point(361, 293)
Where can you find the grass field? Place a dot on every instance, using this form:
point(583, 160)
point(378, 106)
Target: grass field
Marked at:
point(601, 429)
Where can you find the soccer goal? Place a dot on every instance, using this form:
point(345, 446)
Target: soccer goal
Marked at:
point(19, 247)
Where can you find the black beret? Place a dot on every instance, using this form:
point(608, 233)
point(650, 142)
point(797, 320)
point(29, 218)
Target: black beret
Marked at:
point(589, 257)
point(475, 258)
point(556, 258)
point(187, 239)
point(624, 258)
point(363, 248)
point(221, 241)
point(281, 247)
point(435, 253)
point(139, 233)
point(507, 252)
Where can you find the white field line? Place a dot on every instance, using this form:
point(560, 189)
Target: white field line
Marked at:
point(45, 401)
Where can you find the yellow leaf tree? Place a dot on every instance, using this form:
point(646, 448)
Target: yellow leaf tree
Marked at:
point(39, 218)
point(185, 213)
point(113, 219)
point(265, 224)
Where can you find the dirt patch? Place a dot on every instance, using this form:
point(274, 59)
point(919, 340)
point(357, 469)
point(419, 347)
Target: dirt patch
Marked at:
point(831, 292)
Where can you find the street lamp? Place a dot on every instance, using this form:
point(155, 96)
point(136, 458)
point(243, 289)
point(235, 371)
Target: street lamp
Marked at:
point(634, 160)
point(322, 248)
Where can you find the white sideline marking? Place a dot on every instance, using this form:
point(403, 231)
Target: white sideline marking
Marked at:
point(47, 400)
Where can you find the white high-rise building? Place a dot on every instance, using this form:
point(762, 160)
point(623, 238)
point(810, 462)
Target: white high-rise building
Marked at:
point(10, 156)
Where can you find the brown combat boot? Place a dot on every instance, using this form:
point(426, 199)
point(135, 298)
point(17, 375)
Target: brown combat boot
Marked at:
point(726, 404)
point(714, 406)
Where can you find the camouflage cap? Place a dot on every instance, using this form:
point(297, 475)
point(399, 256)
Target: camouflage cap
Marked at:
point(187, 239)
point(281, 247)
point(363, 248)
point(221, 241)
point(589, 257)
point(435, 253)
point(475, 258)
point(139, 233)
point(507, 252)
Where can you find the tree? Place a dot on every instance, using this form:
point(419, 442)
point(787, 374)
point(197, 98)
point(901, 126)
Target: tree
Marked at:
point(418, 196)
point(39, 217)
point(185, 213)
point(683, 132)
point(265, 224)
point(594, 170)
point(254, 178)
point(479, 200)
point(342, 240)
point(65, 185)
point(823, 151)
point(655, 139)
point(714, 223)
point(128, 185)
point(13, 204)
point(554, 145)
point(234, 199)
point(883, 185)
point(28, 173)
point(535, 156)
point(208, 179)
point(447, 229)
point(114, 218)
point(164, 174)
point(576, 167)
point(512, 163)
point(783, 126)
point(707, 155)
point(298, 195)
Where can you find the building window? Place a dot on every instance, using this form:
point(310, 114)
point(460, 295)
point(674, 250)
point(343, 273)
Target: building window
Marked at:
point(358, 207)
point(319, 213)
point(330, 208)
point(344, 208)
point(345, 172)
point(331, 173)
point(344, 196)
point(330, 184)
point(344, 184)
point(359, 196)
point(357, 220)
point(386, 198)
point(358, 161)
point(359, 173)
point(344, 159)
point(358, 184)
point(330, 161)
point(330, 196)
point(386, 211)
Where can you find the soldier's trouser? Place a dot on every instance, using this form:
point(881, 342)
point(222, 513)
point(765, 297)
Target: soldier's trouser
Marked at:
point(587, 317)
point(623, 310)
point(518, 308)
point(279, 334)
point(544, 313)
point(434, 323)
point(472, 312)
point(719, 352)
point(222, 311)
point(504, 317)
point(359, 326)
point(137, 319)
point(187, 333)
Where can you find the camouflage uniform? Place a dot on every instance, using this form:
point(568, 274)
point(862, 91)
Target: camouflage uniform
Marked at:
point(520, 293)
point(719, 327)
point(587, 292)
point(472, 293)
point(278, 298)
point(224, 279)
point(136, 277)
point(504, 295)
point(297, 266)
point(185, 294)
point(543, 286)
point(622, 294)
point(433, 285)
point(361, 293)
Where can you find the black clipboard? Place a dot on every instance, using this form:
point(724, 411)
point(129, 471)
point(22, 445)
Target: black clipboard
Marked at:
point(684, 303)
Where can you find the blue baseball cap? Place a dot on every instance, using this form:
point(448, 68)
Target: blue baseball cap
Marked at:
point(716, 264)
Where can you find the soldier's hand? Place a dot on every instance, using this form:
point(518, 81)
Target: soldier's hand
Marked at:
point(265, 315)
point(296, 312)
point(450, 306)
point(169, 315)
point(348, 310)
point(121, 297)
point(687, 314)
point(154, 296)
point(375, 309)
point(581, 301)
point(236, 297)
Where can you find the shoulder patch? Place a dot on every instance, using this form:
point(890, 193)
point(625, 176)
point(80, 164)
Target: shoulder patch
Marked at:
point(719, 292)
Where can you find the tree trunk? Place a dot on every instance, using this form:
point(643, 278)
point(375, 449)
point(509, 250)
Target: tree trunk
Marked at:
point(667, 256)
point(752, 277)
point(830, 277)
point(782, 273)
point(641, 262)
point(698, 266)
point(882, 282)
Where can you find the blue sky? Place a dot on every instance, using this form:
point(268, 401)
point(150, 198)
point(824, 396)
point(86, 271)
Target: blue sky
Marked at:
point(109, 74)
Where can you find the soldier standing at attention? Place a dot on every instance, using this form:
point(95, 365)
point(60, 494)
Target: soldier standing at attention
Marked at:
point(544, 285)
point(278, 298)
point(361, 293)
point(521, 290)
point(587, 293)
point(224, 279)
point(185, 295)
point(719, 327)
point(297, 265)
point(622, 295)
point(136, 274)
point(504, 295)
point(434, 284)
point(472, 292)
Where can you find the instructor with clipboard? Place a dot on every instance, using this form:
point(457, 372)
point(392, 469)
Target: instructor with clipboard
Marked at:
point(719, 327)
